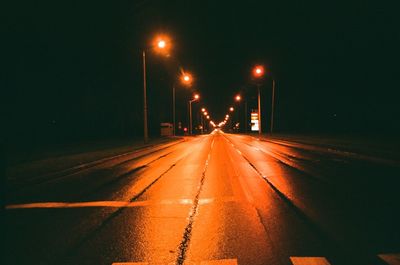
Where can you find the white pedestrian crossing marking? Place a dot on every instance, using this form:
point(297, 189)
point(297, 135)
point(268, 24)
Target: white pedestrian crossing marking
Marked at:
point(309, 261)
point(208, 262)
point(220, 262)
point(391, 259)
point(130, 263)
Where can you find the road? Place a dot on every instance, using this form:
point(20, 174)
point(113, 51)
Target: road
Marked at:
point(214, 199)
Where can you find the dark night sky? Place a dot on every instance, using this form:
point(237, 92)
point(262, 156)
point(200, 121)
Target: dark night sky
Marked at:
point(74, 69)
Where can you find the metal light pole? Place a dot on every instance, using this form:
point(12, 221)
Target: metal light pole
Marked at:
point(272, 105)
point(145, 129)
point(173, 108)
point(259, 109)
point(196, 97)
point(245, 116)
point(190, 117)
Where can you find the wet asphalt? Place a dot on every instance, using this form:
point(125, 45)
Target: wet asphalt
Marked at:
point(212, 199)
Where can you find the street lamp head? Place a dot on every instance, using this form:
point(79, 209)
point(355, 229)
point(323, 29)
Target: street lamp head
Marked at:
point(205, 113)
point(162, 44)
point(186, 78)
point(226, 116)
point(208, 117)
point(196, 96)
point(238, 98)
point(231, 109)
point(203, 109)
point(258, 71)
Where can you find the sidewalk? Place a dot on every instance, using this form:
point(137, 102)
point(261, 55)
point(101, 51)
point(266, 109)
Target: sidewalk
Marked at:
point(383, 147)
point(59, 158)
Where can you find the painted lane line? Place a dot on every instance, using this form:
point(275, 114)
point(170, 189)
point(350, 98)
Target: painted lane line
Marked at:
point(309, 261)
point(220, 262)
point(115, 204)
point(391, 258)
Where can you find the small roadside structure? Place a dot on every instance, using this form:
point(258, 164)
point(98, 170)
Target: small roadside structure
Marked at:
point(166, 129)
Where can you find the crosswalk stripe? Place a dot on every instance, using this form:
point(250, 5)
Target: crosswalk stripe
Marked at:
point(309, 261)
point(220, 262)
point(130, 263)
point(391, 259)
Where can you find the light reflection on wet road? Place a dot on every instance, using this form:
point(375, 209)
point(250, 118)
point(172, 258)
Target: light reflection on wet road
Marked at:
point(215, 199)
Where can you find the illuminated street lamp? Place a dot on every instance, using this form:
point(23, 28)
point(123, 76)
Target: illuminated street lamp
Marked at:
point(203, 110)
point(258, 73)
point(186, 80)
point(208, 117)
point(231, 109)
point(195, 98)
point(161, 46)
point(238, 98)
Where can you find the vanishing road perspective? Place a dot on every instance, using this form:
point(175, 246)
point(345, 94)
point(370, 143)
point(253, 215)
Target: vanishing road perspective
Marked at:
point(215, 199)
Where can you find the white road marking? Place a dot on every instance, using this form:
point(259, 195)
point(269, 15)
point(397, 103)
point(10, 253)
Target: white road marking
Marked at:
point(130, 263)
point(309, 261)
point(391, 259)
point(220, 262)
point(115, 204)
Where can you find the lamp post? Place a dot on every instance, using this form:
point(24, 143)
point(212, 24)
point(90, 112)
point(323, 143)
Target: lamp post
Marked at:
point(203, 110)
point(186, 79)
point(272, 105)
point(195, 98)
point(258, 73)
point(145, 129)
point(162, 46)
point(238, 98)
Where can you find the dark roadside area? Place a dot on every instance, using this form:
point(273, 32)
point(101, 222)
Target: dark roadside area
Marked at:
point(19, 163)
point(378, 146)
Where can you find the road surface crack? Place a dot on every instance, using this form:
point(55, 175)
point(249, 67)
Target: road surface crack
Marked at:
point(183, 247)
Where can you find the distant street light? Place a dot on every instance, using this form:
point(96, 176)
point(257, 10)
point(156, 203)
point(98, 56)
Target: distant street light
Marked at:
point(231, 109)
point(186, 80)
point(195, 98)
point(258, 73)
point(162, 46)
point(238, 98)
point(203, 109)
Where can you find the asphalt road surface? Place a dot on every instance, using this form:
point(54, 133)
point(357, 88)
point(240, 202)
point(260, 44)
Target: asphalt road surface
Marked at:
point(218, 199)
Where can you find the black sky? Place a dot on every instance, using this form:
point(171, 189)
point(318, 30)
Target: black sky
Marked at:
point(74, 67)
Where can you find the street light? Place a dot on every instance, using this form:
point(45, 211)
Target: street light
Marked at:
point(186, 79)
point(195, 98)
point(161, 46)
point(203, 109)
point(231, 109)
point(238, 98)
point(258, 73)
